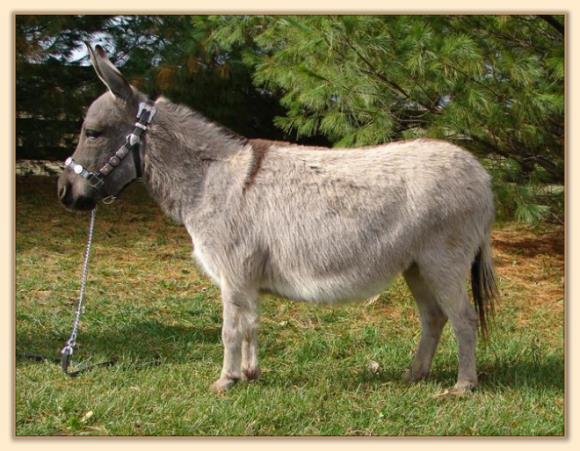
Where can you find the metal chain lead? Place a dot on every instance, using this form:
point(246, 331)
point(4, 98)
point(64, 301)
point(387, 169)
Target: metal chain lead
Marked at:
point(68, 349)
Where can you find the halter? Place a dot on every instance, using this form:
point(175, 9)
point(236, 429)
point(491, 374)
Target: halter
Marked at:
point(132, 145)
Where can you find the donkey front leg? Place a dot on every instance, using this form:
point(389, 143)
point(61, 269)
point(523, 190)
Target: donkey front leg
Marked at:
point(238, 307)
point(250, 367)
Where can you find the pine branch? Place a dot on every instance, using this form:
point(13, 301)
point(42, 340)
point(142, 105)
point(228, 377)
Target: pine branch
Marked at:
point(551, 20)
point(392, 84)
point(523, 159)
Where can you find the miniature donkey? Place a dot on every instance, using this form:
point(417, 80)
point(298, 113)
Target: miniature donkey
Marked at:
point(315, 225)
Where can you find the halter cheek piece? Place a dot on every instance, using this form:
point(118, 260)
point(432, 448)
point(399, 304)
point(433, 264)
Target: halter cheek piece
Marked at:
point(132, 145)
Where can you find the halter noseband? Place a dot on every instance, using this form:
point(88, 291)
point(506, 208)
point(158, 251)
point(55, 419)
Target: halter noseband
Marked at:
point(132, 145)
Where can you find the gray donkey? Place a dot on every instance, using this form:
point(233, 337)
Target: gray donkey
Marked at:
point(322, 226)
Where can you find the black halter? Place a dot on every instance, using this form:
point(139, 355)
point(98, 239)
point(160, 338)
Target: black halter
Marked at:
point(132, 145)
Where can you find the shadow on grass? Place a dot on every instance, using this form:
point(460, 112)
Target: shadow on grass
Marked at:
point(43, 224)
point(143, 341)
point(493, 377)
point(138, 342)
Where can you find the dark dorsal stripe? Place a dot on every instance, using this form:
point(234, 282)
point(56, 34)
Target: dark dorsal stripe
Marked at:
point(259, 149)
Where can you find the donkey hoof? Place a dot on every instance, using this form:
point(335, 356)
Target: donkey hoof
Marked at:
point(251, 374)
point(222, 385)
point(459, 390)
point(411, 377)
point(464, 387)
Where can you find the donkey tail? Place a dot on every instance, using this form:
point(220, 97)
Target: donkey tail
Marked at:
point(484, 286)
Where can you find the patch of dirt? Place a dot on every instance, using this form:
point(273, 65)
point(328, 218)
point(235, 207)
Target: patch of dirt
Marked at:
point(530, 244)
point(531, 266)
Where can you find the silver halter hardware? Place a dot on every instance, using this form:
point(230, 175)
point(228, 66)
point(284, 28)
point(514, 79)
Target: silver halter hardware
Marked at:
point(94, 178)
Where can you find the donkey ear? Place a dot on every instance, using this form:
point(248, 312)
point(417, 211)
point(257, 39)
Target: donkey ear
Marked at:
point(109, 74)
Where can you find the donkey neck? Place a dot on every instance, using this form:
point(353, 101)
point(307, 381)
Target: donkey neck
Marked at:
point(185, 156)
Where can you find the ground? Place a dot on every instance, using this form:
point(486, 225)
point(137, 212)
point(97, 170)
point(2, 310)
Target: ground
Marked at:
point(326, 371)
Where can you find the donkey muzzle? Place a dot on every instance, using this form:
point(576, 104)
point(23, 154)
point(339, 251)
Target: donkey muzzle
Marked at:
point(70, 199)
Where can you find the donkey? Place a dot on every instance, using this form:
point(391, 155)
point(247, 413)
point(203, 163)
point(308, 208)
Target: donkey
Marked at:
point(321, 226)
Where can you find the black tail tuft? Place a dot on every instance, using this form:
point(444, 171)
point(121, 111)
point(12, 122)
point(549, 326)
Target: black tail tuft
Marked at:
point(484, 288)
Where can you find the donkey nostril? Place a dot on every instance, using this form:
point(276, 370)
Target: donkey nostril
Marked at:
point(65, 192)
point(62, 192)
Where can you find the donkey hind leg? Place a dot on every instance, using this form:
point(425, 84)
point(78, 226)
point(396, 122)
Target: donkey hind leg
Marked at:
point(239, 322)
point(432, 322)
point(448, 285)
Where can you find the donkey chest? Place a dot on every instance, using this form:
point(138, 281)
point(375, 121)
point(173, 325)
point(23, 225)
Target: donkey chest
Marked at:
point(205, 258)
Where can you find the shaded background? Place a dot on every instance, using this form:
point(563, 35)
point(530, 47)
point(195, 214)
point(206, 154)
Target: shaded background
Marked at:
point(492, 84)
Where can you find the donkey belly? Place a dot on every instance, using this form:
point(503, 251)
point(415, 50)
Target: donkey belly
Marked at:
point(337, 289)
point(334, 277)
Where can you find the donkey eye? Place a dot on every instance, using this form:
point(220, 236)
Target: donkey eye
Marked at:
point(92, 133)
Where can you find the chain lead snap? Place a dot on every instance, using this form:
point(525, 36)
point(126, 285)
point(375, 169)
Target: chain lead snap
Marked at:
point(68, 349)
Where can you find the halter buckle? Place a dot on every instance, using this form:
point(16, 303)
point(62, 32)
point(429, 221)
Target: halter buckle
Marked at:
point(133, 139)
point(146, 107)
point(95, 180)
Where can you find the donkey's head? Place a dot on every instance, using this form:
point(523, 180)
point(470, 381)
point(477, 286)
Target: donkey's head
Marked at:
point(108, 122)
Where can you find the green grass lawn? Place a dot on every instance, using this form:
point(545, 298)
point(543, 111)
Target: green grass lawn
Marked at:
point(149, 308)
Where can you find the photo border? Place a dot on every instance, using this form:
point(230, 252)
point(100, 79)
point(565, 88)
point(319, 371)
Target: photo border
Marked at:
point(7, 225)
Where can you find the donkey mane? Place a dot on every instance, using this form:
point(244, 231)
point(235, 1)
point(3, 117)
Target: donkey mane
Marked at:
point(184, 118)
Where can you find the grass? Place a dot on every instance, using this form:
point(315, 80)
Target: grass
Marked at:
point(150, 309)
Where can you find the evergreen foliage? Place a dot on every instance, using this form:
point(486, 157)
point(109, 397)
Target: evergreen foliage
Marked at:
point(158, 54)
point(494, 84)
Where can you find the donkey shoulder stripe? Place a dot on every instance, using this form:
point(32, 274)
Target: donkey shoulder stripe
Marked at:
point(259, 148)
